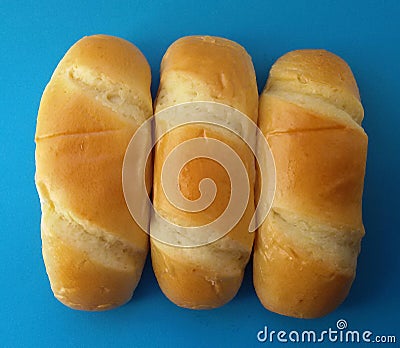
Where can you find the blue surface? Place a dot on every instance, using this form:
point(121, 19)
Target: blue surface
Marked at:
point(35, 35)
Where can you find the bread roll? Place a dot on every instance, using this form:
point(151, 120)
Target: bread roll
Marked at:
point(203, 68)
point(97, 97)
point(305, 253)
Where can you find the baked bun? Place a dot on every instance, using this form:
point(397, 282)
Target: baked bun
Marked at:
point(198, 69)
point(305, 253)
point(98, 96)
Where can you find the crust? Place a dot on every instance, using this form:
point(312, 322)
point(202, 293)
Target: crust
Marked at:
point(306, 251)
point(214, 68)
point(190, 284)
point(289, 281)
point(320, 74)
point(97, 98)
point(204, 68)
point(320, 164)
point(79, 277)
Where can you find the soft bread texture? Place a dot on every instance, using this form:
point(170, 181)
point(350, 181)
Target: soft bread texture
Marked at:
point(305, 253)
point(203, 68)
point(98, 96)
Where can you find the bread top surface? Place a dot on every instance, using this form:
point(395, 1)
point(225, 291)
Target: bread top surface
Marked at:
point(320, 165)
point(196, 170)
point(205, 68)
point(321, 75)
point(113, 77)
point(96, 99)
point(81, 276)
point(310, 113)
point(296, 280)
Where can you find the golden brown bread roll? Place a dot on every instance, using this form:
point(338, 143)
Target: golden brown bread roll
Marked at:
point(203, 68)
point(305, 253)
point(97, 97)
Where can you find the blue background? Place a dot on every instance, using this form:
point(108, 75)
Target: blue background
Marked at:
point(34, 37)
